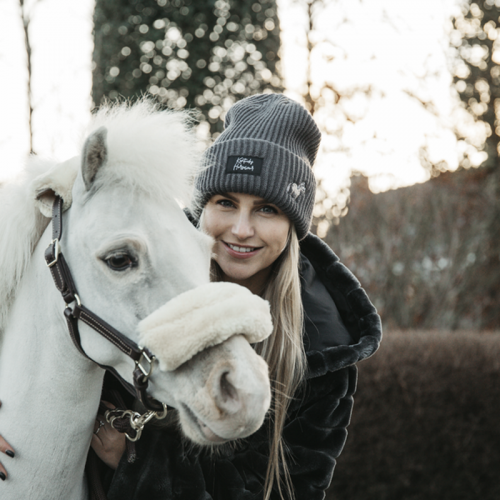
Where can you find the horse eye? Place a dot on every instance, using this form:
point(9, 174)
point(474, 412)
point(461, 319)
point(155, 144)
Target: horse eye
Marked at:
point(120, 262)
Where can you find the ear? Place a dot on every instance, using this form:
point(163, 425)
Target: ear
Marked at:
point(94, 155)
point(57, 180)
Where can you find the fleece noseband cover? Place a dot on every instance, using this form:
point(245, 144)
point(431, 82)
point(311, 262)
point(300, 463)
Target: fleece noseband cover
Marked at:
point(201, 318)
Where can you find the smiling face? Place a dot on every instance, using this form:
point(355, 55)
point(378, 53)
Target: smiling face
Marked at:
point(250, 234)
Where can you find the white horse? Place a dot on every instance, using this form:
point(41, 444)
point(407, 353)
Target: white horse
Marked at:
point(130, 249)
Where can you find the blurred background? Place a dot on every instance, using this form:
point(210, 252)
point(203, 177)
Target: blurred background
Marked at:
point(407, 96)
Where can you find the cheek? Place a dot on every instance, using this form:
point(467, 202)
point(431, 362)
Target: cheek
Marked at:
point(278, 236)
point(210, 223)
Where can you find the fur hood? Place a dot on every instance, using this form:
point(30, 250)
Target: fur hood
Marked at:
point(358, 315)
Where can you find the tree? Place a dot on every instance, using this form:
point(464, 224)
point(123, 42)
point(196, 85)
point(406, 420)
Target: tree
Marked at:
point(328, 98)
point(189, 54)
point(477, 81)
point(26, 20)
point(477, 70)
point(419, 251)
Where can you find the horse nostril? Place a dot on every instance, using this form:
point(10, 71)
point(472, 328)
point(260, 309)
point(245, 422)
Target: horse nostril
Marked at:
point(227, 390)
point(226, 395)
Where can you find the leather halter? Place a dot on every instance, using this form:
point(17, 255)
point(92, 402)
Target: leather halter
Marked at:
point(63, 280)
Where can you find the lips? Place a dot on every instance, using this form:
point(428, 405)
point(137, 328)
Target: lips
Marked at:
point(207, 434)
point(241, 251)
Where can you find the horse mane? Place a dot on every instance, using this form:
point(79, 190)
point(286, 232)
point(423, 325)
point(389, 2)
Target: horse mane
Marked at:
point(149, 150)
point(21, 227)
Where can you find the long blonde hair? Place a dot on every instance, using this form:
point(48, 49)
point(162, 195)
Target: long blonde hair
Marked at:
point(283, 351)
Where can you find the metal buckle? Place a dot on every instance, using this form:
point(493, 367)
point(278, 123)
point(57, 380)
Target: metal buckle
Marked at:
point(56, 252)
point(146, 373)
point(137, 421)
point(77, 300)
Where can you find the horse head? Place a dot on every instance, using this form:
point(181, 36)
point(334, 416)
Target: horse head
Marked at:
point(131, 249)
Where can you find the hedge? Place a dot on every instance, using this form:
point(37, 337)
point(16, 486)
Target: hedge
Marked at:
point(426, 421)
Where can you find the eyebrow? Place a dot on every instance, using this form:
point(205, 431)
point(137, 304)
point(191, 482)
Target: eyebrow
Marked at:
point(261, 201)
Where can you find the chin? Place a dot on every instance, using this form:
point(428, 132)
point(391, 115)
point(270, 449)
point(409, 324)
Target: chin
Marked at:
point(238, 273)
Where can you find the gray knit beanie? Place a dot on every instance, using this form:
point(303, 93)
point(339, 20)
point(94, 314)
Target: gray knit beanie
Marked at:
point(267, 149)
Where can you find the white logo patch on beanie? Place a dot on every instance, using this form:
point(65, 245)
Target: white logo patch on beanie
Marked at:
point(296, 190)
point(251, 165)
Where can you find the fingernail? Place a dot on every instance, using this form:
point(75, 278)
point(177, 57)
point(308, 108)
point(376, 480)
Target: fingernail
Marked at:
point(2, 476)
point(10, 453)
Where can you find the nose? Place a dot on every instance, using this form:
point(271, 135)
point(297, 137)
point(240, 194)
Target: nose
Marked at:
point(241, 401)
point(224, 393)
point(243, 227)
point(236, 394)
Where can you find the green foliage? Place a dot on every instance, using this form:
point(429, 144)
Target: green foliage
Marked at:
point(187, 53)
point(477, 76)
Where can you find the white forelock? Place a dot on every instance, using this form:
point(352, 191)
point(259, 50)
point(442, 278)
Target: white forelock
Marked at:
point(153, 150)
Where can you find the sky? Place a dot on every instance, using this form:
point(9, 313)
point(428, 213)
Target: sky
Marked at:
point(387, 46)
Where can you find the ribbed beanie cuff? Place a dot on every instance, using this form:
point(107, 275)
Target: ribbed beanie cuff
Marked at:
point(267, 149)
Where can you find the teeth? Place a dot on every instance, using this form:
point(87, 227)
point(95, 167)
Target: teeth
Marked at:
point(240, 249)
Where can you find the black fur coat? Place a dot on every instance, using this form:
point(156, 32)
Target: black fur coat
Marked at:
point(341, 328)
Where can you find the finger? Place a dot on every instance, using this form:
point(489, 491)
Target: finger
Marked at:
point(6, 448)
point(107, 438)
point(103, 430)
point(106, 432)
point(111, 406)
point(3, 472)
point(99, 426)
point(96, 443)
point(109, 447)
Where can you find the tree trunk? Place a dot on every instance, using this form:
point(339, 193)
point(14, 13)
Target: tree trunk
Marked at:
point(26, 23)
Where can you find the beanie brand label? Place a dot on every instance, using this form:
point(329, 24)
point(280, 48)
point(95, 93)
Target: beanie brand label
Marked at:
point(251, 165)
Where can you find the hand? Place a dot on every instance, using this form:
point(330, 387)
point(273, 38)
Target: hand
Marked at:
point(7, 449)
point(108, 443)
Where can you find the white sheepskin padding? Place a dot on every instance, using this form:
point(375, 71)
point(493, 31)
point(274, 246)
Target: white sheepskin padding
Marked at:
point(58, 180)
point(204, 317)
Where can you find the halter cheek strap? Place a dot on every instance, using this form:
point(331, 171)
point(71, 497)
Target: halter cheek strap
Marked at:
point(63, 280)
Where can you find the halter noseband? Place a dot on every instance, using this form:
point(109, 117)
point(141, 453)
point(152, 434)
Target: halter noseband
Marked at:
point(63, 280)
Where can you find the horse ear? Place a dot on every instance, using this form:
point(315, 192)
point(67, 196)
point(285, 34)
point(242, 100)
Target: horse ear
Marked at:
point(94, 155)
point(56, 180)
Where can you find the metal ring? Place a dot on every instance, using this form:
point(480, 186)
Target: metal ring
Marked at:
point(101, 424)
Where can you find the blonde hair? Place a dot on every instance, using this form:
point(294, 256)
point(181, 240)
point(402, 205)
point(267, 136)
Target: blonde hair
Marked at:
point(283, 351)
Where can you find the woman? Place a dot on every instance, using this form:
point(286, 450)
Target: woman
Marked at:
point(256, 198)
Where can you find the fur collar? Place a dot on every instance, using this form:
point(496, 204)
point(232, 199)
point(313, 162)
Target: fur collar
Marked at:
point(357, 312)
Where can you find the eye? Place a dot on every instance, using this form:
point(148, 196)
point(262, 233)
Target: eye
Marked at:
point(269, 209)
point(121, 262)
point(225, 203)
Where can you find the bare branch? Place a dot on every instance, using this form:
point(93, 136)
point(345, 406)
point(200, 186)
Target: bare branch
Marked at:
point(26, 20)
point(426, 104)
